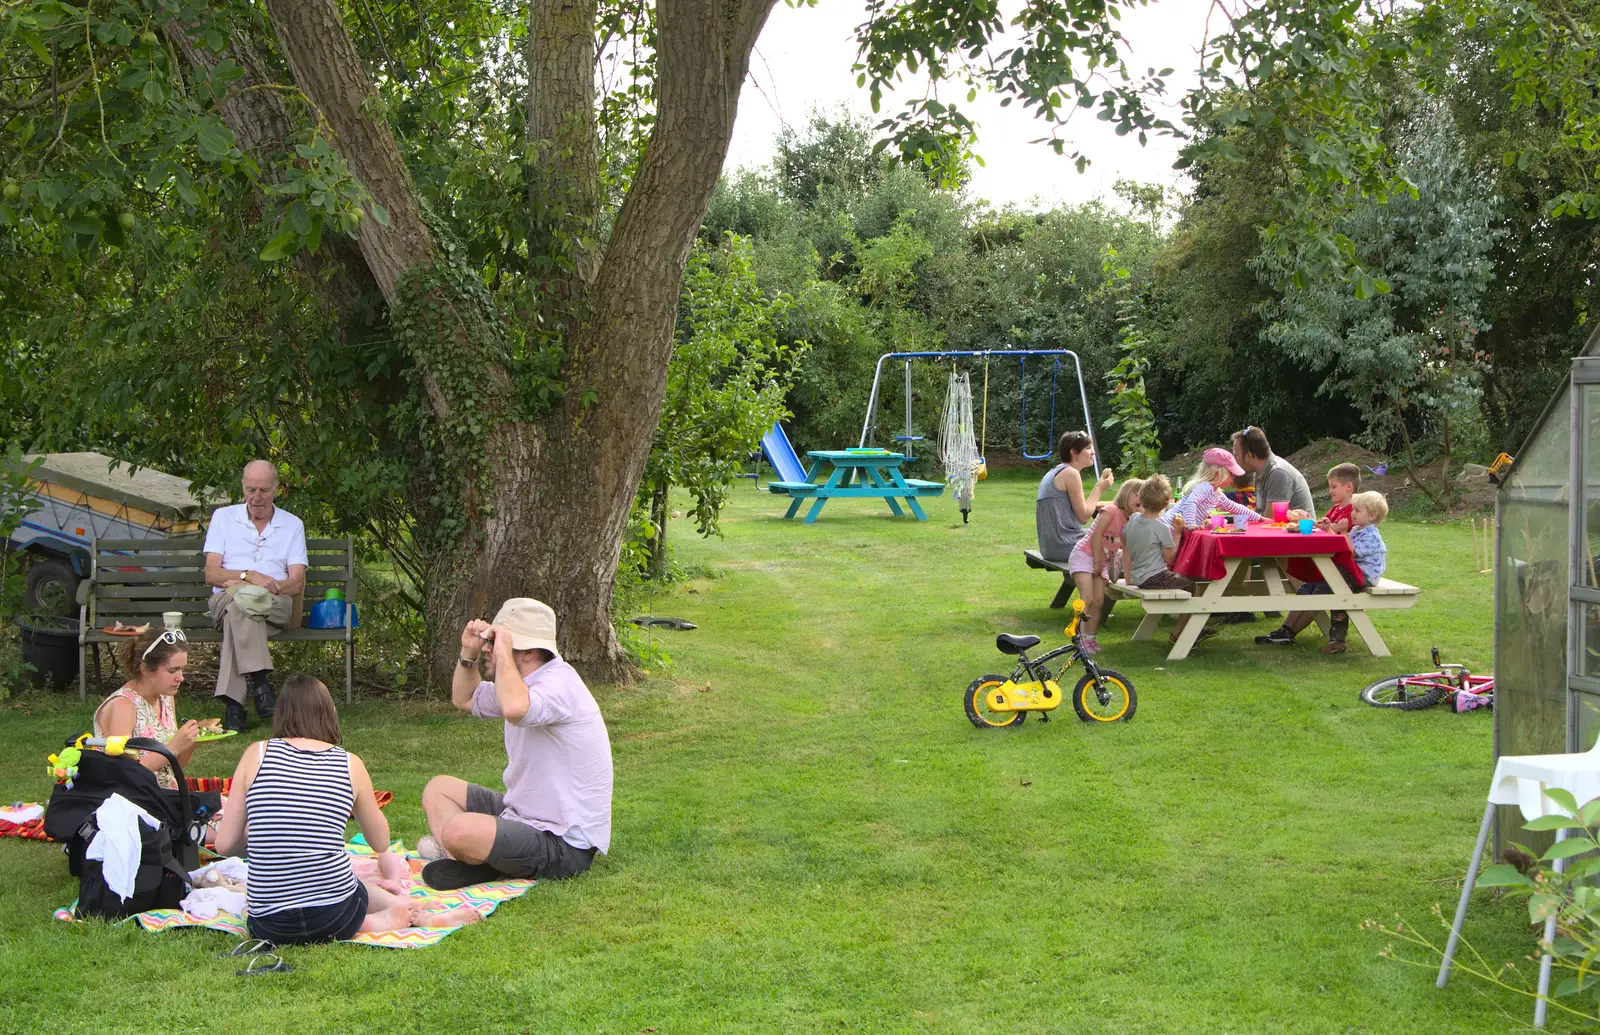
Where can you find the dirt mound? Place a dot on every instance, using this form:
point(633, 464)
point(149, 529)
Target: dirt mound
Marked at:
point(1314, 459)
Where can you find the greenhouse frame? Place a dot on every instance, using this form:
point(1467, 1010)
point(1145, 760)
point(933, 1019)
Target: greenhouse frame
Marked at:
point(1547, 595)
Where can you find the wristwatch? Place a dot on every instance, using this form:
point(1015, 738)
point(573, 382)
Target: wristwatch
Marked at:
point(467, 662)
point(244, 574)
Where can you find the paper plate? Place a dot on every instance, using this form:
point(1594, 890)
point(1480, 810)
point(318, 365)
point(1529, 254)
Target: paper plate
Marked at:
point(224, 735)
point(126, 630)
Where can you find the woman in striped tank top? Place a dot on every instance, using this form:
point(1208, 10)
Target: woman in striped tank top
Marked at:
point(291, 798)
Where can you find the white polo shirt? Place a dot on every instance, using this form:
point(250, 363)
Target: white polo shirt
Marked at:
point(233, 535)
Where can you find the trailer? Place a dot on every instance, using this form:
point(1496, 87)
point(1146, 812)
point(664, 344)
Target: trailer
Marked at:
point(80, 497)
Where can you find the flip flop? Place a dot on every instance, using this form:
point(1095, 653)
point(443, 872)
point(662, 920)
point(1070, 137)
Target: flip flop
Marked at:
point(450, 874)
point(258, 965)
point(248, 947)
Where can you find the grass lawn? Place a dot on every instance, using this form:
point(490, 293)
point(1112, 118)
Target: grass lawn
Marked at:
point(809, 836)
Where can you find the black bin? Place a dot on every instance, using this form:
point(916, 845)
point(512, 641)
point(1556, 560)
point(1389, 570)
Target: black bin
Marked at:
point(50, 645)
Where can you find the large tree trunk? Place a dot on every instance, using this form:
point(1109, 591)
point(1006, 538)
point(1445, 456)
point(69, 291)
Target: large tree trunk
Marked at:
point(558, 490)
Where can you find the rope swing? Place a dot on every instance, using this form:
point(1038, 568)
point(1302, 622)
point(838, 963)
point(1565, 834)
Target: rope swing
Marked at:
point(958, 447)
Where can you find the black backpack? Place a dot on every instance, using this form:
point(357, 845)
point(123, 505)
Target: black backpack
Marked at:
point(169, 850)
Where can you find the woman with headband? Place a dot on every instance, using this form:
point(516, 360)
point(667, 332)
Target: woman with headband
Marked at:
point(145, 707)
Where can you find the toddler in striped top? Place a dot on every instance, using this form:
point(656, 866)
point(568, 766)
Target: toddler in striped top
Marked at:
point(1204, 492)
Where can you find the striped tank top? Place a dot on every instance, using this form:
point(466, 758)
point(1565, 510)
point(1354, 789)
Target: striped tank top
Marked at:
point(295, 813)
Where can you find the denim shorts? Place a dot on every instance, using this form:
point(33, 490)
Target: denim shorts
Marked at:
point(333, 923)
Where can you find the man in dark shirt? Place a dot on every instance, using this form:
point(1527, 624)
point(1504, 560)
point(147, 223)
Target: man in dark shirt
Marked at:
point(1276, 479)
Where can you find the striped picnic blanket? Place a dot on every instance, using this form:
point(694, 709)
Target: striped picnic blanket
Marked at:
point(482, 897)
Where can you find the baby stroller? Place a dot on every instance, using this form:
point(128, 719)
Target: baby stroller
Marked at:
point(169, 851)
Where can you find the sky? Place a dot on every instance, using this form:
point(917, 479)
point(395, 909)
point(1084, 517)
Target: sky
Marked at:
point(803, 59)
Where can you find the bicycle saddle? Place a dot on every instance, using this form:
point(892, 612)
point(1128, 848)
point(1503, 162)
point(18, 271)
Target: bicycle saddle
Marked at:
point(1008, 644)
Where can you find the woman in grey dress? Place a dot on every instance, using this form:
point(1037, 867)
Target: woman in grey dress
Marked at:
point(1062, 508)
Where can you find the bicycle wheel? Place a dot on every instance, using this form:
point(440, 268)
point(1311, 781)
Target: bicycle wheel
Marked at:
point(1395, 693)
point(978, 708)
point(1110, 699)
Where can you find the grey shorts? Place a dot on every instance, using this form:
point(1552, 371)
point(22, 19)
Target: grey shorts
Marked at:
point(523, 851)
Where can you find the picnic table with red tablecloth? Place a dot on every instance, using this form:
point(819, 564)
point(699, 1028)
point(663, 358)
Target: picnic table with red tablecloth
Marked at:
point(1220, 562)
point(1203, 554)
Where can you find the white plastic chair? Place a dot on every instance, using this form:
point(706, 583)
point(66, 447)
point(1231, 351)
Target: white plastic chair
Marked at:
point(1522, 780)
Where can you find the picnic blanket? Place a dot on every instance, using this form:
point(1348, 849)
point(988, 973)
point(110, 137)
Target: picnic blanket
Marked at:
point(482, 897)
point(24, 819)
point(33, 829)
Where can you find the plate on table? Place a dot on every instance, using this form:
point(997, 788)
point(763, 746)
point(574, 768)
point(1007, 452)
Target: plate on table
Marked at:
point(210, 735)
point(124, 630)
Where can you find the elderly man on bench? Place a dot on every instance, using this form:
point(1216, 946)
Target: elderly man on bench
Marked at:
point(256, 564)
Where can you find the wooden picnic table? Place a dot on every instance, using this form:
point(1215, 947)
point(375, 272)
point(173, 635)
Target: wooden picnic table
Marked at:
point(880, 476)
point(1222, 561)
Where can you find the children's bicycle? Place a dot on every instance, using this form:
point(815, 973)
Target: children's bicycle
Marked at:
point(1413, 693)
point(1001, 702)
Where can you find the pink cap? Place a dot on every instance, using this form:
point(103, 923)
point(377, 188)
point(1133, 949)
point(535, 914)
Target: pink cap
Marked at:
point(1223, 459)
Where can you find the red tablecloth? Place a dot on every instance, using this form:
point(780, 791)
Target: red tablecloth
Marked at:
point(1202, 554)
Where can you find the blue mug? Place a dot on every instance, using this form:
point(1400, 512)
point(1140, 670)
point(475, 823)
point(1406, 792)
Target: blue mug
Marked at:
point(1305, 526)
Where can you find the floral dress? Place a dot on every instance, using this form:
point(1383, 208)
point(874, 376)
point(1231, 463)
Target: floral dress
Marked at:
point(157, 721)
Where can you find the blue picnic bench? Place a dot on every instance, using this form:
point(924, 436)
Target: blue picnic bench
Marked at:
point(878, 473)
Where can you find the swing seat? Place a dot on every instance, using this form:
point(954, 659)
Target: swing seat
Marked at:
point(908, 438)
point(982, 473)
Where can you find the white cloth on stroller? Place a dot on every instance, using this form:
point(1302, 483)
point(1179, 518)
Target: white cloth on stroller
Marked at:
point(117, 844)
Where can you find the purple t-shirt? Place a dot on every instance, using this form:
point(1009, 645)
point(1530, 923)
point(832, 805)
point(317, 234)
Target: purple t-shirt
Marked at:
point(558, 758)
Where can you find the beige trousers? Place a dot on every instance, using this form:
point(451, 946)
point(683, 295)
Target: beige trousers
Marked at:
point(244, 640)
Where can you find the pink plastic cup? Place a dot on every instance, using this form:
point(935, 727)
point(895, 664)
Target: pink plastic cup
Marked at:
point(1218, 521)
point(1280, 510)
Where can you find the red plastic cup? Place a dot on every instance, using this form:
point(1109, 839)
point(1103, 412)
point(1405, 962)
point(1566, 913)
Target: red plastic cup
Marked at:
point(1280, 510)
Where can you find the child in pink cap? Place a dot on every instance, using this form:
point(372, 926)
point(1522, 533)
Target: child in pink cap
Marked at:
point(1204, 494)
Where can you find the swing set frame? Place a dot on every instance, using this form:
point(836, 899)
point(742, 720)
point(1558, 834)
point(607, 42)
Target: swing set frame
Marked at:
point(867, 426)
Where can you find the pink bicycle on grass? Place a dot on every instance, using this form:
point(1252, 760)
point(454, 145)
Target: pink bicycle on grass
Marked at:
point(1420, 690)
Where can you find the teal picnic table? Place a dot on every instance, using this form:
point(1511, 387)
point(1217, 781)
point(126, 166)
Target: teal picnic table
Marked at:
point(880, 476)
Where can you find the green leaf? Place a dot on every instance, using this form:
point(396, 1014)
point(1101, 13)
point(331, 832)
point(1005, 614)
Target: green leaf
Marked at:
point(280, 246)
point(380, 213)
point(1590, 813)
point(1503, 875)
point(1568, 848)
point(299, 218)
point(1562, 798)
point(1552, 823)
point(213, 137)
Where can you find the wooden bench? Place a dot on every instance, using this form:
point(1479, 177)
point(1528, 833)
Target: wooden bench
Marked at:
point(926, 488)
point(793, 488)
point(133, 581)
point(1383, 595)
point(1064, 594)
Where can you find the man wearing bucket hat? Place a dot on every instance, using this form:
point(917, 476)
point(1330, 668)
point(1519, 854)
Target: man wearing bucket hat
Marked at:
point(555, 812)
point(256, 564)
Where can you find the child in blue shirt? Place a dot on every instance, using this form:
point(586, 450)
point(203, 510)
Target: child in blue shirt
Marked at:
point(1367, 509)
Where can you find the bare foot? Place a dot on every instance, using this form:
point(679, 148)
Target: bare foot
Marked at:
point(395, 887)
point(460, 916)
point(392, 867)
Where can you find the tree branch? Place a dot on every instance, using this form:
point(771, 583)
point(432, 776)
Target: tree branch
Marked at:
point(327, 68)
point(66, 89)
point(562, 140)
